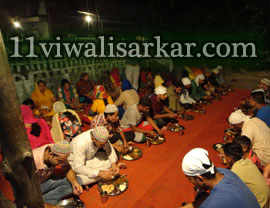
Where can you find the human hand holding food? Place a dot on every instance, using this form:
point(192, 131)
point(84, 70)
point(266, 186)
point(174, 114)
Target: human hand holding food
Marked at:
point(152, 133)
point(160, 132)
point(106, 174)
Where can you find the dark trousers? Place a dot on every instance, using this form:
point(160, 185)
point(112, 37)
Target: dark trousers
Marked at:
point(130, 135)
point(162, 122)
point(187, 106)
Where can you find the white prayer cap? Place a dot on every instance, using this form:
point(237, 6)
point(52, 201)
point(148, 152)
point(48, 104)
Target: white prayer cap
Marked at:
point(198, 78)
point(59, 107)
point(237, 117)
point(219, 67)
point(100, 133)
point(266, 81)
point(258, 90)
point(216, 70)
point(160, 90)
point(110, 108)
point(196, 162)
point(186, 81)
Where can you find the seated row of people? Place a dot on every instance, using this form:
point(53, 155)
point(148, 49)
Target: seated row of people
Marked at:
point(164, 106)
point(254, 124)
point(256, 130)
point(93, 153)
point(245, 156)
point(43, 97)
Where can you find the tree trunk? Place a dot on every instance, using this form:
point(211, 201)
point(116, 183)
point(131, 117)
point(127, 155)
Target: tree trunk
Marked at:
point(18, 165)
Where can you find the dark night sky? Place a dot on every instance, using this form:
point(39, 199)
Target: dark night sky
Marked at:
point(229, 14)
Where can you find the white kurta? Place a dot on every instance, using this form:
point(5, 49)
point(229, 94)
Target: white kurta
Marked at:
point(259, 134)
point(185, 98)
point(85, 159)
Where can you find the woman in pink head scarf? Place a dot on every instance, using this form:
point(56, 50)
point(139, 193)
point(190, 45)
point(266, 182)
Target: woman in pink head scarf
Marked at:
point(37, 130)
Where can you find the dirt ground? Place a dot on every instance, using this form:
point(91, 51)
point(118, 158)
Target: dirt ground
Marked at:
point(245, 79)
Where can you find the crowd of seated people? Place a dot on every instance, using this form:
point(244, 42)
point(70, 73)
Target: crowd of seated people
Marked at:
point(246, 154)
point(117, 122)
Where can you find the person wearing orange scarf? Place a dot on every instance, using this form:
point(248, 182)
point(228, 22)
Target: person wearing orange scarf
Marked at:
point(43, 99)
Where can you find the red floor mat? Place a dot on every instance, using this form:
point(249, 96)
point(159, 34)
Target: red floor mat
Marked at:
point(156, 180)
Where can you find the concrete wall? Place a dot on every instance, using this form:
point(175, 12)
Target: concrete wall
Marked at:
point(25, 74)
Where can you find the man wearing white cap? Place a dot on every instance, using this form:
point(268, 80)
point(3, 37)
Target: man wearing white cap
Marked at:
point(87, 159)
point(110, 120)
point(265, 85)
point(162, 113)
point(197, 92)
point(46, 158)
point(256, 130)
point(185, 98)
point(227, 189)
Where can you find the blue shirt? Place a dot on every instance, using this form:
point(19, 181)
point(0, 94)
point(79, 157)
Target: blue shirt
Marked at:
point(230, 192)
point(264, 114)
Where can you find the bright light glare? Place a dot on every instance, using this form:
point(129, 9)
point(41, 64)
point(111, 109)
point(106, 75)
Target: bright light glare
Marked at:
point(16, 24)
point(88, 18)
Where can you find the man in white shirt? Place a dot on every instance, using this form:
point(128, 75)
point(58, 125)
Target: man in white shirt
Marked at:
point(256, 130)
point(92, 156)
point(134, 120)
point(185, 98)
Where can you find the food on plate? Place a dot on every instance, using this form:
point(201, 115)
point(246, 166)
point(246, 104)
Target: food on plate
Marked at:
point(122, 186)
point(108, 188)
point(127, 157)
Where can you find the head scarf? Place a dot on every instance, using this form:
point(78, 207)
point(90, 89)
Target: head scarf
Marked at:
point(266, 81)
point(258, 90)
point(160, 90)
point(126, 85)
point(42, 97)
point(68, 95)
point(196, 162)
point(27, 114)
point(238, 117)
point(111, 108)
point(158, 81)
point(186, 81)
point(198, 78)
point(100, 92)
point(215, 71)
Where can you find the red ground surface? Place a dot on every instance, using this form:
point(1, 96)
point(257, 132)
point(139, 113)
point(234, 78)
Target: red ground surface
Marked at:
point(156, 180)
